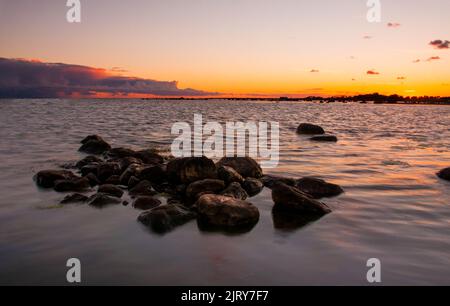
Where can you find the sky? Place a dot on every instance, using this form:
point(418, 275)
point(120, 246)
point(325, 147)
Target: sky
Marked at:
point(225, 47)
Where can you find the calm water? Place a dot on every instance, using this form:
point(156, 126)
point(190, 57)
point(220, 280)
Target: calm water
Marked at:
point(394, 208)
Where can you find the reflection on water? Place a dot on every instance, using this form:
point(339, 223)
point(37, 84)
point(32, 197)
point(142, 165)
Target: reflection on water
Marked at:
point(394, 207)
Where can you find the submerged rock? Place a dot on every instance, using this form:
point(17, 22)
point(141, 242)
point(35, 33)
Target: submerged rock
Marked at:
point(100, 200)
point(325, 138)
point(290, 199)
point(444, 174)
point(47, 178)
point(253, 186)
point(190, 169)
point(226, 212)
point(111, 190)
point(146, 203)
point(245, 166)
point(74, 198)
point(236, 191)
point(77, 184)
point(310, 129)
point(318, 188)
point(229, 175)
point(165, 218)
point(269, 181)
point(94, 145)
point(203, 187)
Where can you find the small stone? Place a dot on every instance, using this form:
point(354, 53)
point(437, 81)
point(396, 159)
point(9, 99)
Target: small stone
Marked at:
point(253, 186)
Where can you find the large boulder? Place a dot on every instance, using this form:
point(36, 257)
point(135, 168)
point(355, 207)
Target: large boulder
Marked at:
point(47, 178)
point(325, 138)
point(100, 200)
point(226, 212)
point(146, 203)
point(94, 145)
point(207, 186)
point(310, 129)
point(290, 199)
point(270, 180)
point(253, 186)
point(190, 169)
point(245, 166)
point(165, 218)
point(229, 175)
point(72, 185)
point(111, 190)
point(318, 188)
point(155, 174)
point(444, 174)
point(236, 191)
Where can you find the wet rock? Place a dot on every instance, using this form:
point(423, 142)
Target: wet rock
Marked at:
point(74, 198)
point(226, 212)
point(253, 186)
point(121, 153)
point(132, 182)
point(165, 218)
point(132, 170)
point(204, 187)
point(106, 170)
point(190, 169)
point(146, 203)
point(141, 189)
point(444, 174)
point(77, 184)
point(310, 129)
point(245, 166)
point(88, 160)
point(93, 180)
point(113, 180)
point(269, 181)
point(127, 161)
point(318, 188)
point(90, 168)
point(101, 200)
point(47, 178)
point(286, 221)
point(236, 191)
point(94, 145)
point(325, 138)
point(155, 174)
point(111, 190)
point(149, 157)
point(229, 175)
point(290, 199)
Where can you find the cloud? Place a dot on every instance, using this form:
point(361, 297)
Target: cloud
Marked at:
point(417, 61)
point(433, 58)
point(372, 72)
point(314, 71)
point(393, 25)
point(401, 78)
point(21, 78)
point(440, 44)
point(367, 37)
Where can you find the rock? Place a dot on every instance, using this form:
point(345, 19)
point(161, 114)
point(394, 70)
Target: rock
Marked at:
point(146, 203)
point(253, 186)
point(287, 221)
point(100, 200)
point(226, 212)
point(74, 198)
point(113, 180)
point(325, 138)
point(132, 182)
point(318, 188)
point(155, 174)
point(47, 178)
point(269, 181)
point(88, 160)
point(111, 190)
point(125, 203)
point(93, 180)
point(245, 166)
point(290, 199)
point(132, 170)
point(141, 189)
point(444, 174)
point(165, 218)
point(77, 184)
point(127, 161)
point(190, 169)
point(94, 145)
point(149, 157)
point(229, 175)
point(203, 187)
point(121, 153)
point(310, 129)
point(106, 170)
point(90, 168)
point(235, 190)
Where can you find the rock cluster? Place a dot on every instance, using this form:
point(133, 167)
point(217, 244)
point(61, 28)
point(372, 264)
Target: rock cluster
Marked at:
point(216, 194)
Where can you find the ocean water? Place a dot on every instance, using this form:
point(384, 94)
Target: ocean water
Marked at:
point(394, 208)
